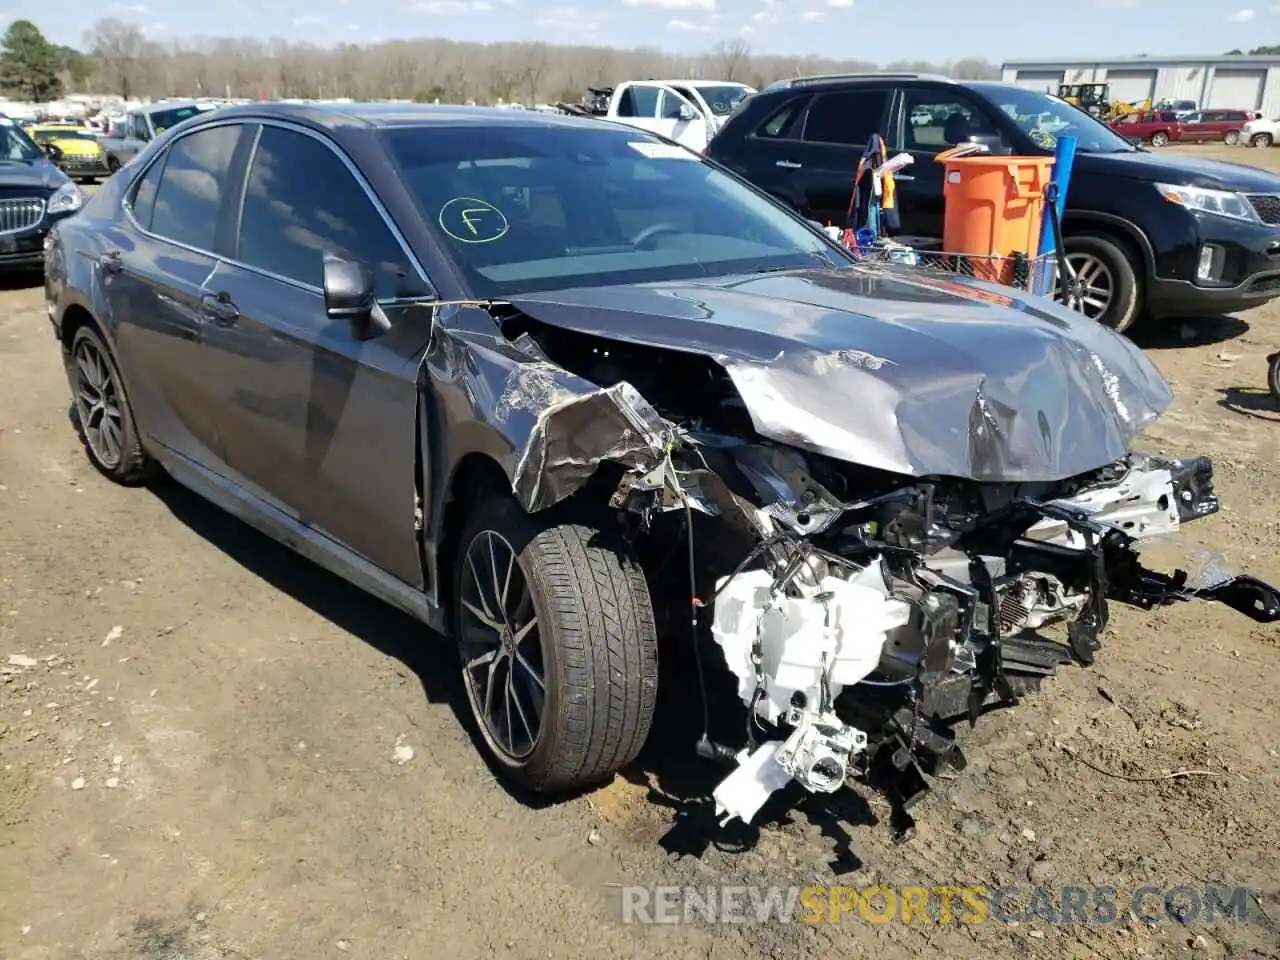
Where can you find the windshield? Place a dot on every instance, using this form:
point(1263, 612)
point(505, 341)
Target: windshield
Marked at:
point(15, 144)
point(1044, 118)
point(525, 208)
point(722, 99)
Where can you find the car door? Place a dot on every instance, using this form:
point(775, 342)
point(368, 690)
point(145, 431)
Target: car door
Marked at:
point(320, 425)
point(153, 280)
point(770, 154)
point(955, 117)
point(837, 127)
point(135, 137)
point(690, 126)
point(637, 106)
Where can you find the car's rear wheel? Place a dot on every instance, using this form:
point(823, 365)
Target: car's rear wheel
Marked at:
point(113, 164)
point(1261, 140)
point(1273, 376)
point(104, 418)
point(1106, 288)
point(1159, 139)
point(559, 653)
point(1232, 138)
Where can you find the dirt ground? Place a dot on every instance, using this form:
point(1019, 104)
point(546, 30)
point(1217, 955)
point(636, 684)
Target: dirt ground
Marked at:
point(202, 744)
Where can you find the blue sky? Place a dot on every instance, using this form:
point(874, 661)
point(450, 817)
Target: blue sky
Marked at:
point(932, 30)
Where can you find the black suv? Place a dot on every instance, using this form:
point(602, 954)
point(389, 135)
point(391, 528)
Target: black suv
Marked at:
point(34, 194)
point(1151, 233)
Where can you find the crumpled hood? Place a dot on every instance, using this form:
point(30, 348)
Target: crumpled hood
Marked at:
point(896, 368)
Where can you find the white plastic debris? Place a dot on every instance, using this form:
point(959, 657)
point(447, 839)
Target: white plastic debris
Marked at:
point(813, 642)
point(115, 633)
point(402, 754)
point(21, 660)
point(801, 637)
point(743, 792)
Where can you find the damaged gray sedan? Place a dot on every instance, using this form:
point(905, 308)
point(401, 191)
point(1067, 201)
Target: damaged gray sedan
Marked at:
point(561, 388)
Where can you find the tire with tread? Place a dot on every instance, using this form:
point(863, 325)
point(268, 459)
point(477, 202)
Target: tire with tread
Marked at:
point(1261, 140)
point(1126, 300)
point(599, 644)
point(1273, 376)
point(1159, 139)
point(136, 466)
point(1231, 138)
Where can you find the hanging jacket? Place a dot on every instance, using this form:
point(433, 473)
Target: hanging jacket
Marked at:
point(864, 196)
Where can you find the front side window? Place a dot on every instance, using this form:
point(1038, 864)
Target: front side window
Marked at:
point(937, 121)
point(521, 209)
point(290, 221)
point(192, 186)
point(723, 99)
point(847, 118)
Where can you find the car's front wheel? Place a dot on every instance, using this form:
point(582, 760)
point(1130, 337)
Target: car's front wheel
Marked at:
point(1232, 138)
point(1261, 140)
point(556, 634)
point(104, 418)
point(1106, 282)
point(1159, 139)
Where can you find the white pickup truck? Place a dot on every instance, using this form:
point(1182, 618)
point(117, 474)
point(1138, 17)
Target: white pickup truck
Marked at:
point(687, 111)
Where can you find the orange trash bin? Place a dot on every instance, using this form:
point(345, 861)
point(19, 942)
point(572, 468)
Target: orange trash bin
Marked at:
point(994, 208)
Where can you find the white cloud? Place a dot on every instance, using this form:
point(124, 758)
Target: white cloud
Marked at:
point(128, 8)
point(1117, 4)
point(568, 20)
point(688, 26)
point(813, 16)
point(309, 21)
point(840, 3)
point(1240, 16)
point(673, 4)
point(447, 7)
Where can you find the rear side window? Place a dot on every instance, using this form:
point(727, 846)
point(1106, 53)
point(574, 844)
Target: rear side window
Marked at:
point(290, 222)
point(847, 118)
point(192, 186)
point(785, 122)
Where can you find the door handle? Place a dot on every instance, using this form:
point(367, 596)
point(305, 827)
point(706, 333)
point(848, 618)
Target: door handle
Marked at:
point(902, 176)
point(220, 308)
point(788, 164)
point(110, 262)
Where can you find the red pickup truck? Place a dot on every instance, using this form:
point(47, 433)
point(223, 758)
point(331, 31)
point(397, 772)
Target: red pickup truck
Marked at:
point(1156, 129)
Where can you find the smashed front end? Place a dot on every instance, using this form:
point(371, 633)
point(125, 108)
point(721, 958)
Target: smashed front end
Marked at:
point(862, 610)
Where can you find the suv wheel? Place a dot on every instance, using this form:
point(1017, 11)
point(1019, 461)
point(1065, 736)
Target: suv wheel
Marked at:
point(1232, 138)
point(1159, 139)
point(1261, 140)
point(1108, 282)
point(559, 650)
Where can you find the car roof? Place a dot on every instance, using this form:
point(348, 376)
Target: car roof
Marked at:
point(375, 114)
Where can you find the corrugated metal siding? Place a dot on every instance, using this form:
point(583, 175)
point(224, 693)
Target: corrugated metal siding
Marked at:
point(1182, 82)
point(1045, 81)
point(1271, 95)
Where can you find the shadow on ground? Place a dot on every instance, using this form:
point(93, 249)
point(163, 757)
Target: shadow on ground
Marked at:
point(1256, 402)
point(1177, 332)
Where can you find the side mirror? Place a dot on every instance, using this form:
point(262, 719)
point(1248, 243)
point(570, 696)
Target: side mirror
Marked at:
point(349, 295)
point(686, 113)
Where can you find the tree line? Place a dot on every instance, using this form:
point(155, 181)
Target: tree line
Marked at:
point(119, 58)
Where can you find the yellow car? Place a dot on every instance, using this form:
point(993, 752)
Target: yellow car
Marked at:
point(78, 153)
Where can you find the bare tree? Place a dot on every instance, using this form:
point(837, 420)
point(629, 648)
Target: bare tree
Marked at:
point(730, 59)
point(124, 61)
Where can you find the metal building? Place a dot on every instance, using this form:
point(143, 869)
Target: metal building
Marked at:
point(1241, 82)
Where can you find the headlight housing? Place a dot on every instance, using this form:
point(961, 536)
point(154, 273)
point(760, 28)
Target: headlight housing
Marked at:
point(68, 198)
point(1220, 203)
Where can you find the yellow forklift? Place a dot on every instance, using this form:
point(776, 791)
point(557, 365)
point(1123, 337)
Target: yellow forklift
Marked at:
point(1093, 98)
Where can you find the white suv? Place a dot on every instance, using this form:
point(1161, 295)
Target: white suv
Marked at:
point(1260, 133)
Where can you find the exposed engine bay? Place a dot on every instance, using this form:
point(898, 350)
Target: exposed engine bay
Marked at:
point(861, 611)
